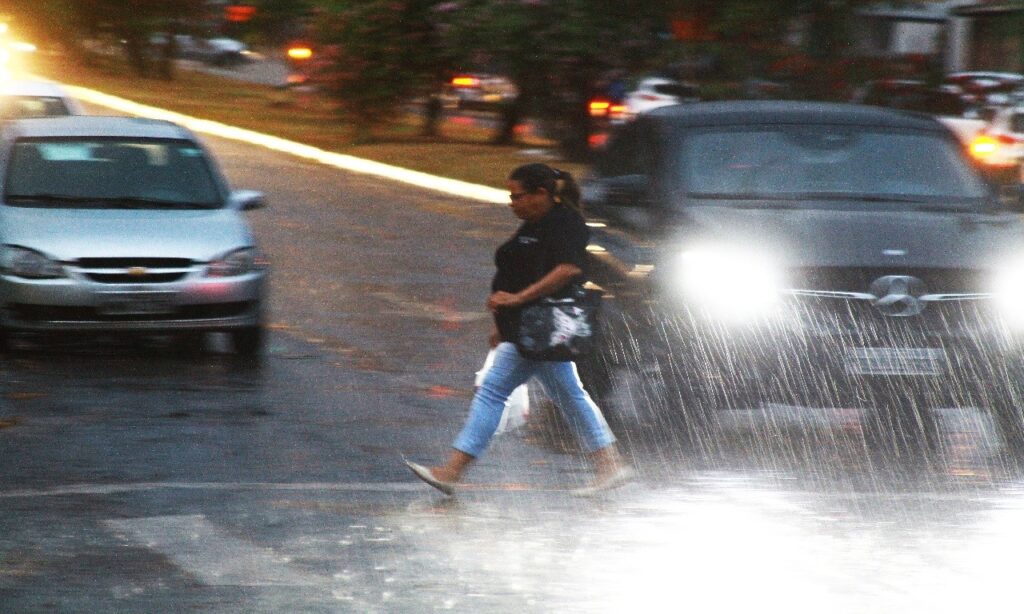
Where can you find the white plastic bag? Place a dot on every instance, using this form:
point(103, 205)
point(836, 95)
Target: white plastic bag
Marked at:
point(517, 407)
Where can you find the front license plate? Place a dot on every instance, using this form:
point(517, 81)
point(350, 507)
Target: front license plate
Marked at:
point(136, 303)
point(896, 361)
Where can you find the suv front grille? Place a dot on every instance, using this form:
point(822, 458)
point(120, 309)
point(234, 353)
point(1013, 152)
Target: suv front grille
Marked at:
point(859, 319)
point(847, 279)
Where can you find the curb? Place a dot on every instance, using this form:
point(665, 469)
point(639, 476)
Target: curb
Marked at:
point(344, 162)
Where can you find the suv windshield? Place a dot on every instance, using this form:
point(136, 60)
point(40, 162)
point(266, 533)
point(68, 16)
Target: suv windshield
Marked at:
point(823, 162)
point(110, 174)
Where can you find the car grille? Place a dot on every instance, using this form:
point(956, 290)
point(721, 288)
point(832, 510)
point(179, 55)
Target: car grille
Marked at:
point(134, 270)
point(845, 279)
point(837, 302)
point(859, 318)
point(50, 313)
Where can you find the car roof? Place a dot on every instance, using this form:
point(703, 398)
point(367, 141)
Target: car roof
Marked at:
point(758, 112)
point(97, 126)
point(657, 80)
point(32, 88)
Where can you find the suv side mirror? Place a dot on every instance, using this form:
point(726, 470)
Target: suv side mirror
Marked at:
point(1012, 197)
point(245, 200)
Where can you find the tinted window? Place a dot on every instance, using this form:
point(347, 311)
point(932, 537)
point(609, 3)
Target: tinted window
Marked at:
point(816, 160)
point(110, 173)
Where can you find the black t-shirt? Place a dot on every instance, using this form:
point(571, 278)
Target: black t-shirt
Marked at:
point(560, 237)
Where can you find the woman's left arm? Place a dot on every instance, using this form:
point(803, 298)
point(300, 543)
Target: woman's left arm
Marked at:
point(555, 280)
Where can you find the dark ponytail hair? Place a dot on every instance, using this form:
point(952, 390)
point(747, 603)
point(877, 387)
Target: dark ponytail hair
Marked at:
point(559, 184)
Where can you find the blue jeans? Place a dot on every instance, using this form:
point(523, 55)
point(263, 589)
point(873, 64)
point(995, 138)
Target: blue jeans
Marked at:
point(561, 383)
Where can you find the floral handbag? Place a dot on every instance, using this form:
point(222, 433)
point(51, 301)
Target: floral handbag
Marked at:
point(559, 329)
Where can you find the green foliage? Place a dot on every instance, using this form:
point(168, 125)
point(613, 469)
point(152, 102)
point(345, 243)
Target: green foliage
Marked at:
point(375, 56)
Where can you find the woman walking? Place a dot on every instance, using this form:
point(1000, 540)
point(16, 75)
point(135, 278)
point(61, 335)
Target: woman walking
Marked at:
point(545, 256)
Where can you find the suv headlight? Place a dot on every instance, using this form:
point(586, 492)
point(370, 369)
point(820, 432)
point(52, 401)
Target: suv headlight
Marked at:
point(232, 264)
point(1008, 291)
point(728, 284)
point(30, 264)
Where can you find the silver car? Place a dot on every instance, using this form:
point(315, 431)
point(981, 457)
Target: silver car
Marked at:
point(124, 224)
point(32, 98)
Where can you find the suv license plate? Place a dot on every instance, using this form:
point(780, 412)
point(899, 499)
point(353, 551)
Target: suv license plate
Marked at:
point(136, 303)
point(895, 361)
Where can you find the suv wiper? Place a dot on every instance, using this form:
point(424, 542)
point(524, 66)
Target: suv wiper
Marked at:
point(139, 202)
point(944, 209)
point(48, 198)
point(748, 200)
point(869, 198)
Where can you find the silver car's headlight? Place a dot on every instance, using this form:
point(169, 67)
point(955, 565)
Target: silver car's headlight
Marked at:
point(28, 263)
point(232, 264)
point(729, 284)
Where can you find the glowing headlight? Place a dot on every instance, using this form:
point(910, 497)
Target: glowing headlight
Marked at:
point(1008, 290)
point(238, 262)
point(28, 263)
point(729, 284)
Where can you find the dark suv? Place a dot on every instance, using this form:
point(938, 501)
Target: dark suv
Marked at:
point(822, 254)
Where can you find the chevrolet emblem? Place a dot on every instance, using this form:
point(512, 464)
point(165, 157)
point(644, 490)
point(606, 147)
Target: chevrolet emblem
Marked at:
point(137, 271)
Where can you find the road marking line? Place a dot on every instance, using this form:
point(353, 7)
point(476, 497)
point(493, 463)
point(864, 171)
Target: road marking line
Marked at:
point(342, 161)
point(200, 549)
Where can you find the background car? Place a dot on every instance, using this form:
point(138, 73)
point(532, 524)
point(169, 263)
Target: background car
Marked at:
point(22, 99)
point(1002, 142)
point(986, 87)
point(477, 91)
point(124, 224)
point(959, 114)
point(654, 92)
point(820, 254)
point(218, 51)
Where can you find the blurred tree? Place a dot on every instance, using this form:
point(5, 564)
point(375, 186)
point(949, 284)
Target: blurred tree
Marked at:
point(278, 21)
point(756, 37)
point(375, 56)
point(133, 25)
point(556, 52)
point(130, 23)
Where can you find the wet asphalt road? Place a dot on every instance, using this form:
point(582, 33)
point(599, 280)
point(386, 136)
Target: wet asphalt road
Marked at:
point(141, 476)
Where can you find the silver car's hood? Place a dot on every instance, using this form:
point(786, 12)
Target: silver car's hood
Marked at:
point(69, 234)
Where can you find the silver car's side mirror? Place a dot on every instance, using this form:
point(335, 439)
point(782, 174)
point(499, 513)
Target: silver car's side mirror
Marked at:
point(245, 200)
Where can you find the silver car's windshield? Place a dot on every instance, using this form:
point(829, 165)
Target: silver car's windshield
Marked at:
point(820, 162)
point(110, 174)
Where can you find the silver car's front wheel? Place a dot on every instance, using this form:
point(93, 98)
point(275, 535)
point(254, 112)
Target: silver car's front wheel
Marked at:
point(248, 341)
